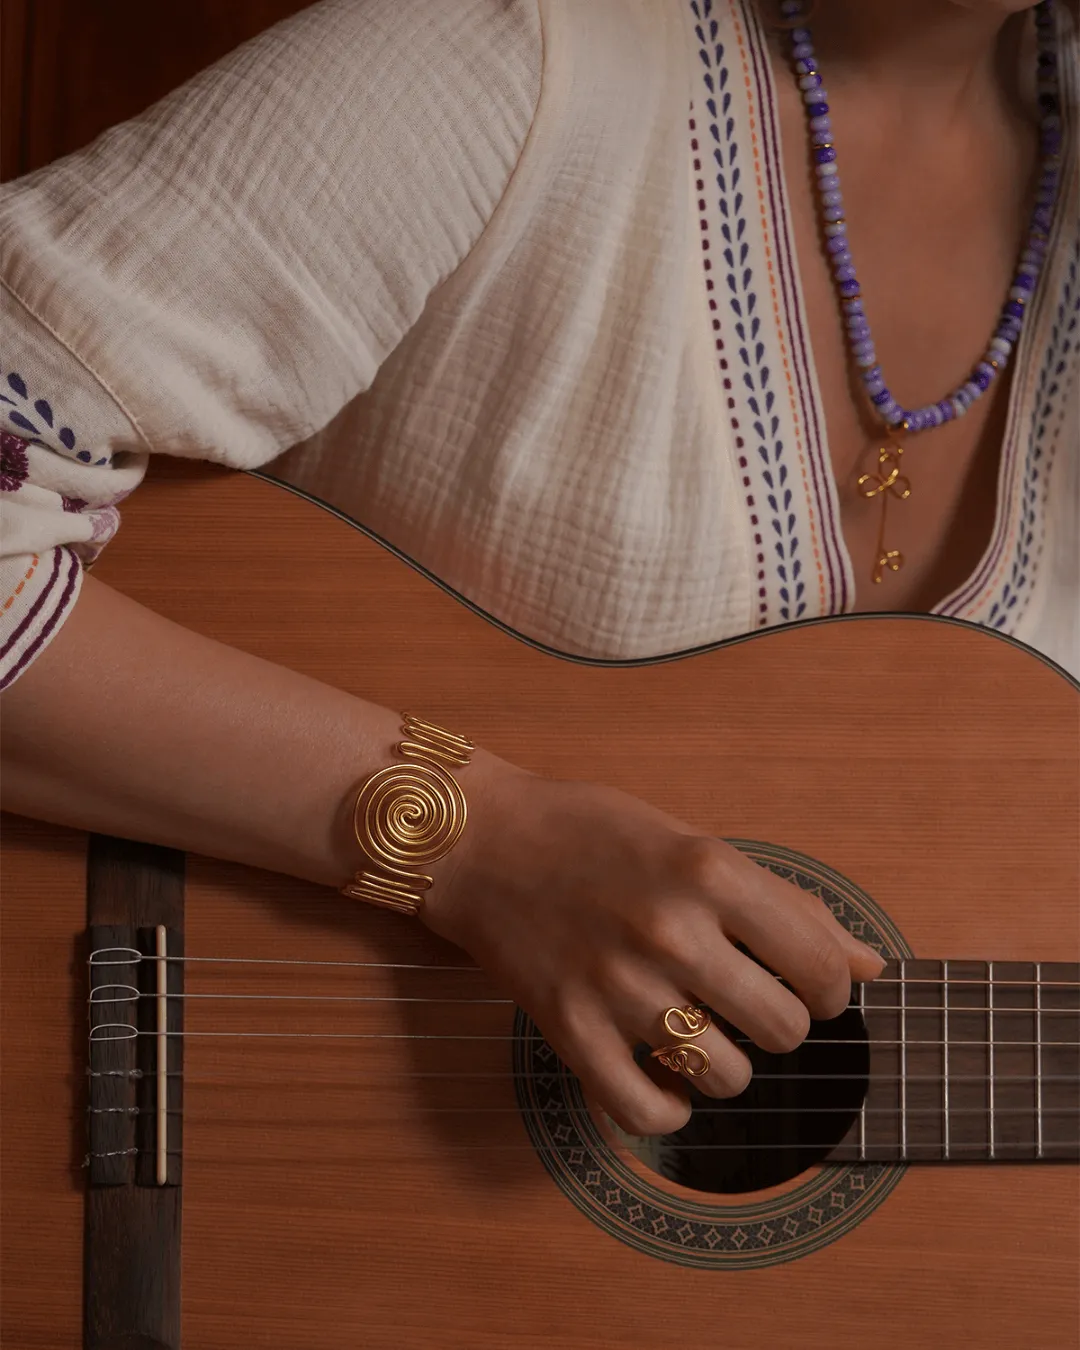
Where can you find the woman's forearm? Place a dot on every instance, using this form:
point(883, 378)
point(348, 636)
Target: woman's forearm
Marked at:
point(131, 725)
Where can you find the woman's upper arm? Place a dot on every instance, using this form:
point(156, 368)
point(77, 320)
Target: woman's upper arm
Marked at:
point(219, 276)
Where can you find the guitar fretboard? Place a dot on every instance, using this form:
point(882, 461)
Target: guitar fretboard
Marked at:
point(970, 1060)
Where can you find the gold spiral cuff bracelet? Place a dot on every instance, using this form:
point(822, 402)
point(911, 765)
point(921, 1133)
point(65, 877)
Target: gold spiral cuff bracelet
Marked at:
point(408, 816)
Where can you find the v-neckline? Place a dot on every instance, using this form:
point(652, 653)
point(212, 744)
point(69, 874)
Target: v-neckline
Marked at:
point(740, 104)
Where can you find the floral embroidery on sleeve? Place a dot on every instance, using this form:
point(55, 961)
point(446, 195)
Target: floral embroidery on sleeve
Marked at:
point(14, 464)
point(20, 409)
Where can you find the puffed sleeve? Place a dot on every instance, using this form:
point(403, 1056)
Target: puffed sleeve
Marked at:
point(219, 276)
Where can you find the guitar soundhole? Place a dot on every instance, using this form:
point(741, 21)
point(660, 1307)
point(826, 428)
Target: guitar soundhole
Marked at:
point(797, 1109)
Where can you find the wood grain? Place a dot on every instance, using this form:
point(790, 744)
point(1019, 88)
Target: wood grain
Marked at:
point(376, 1193)
point(132, 1242)
point(72, 70)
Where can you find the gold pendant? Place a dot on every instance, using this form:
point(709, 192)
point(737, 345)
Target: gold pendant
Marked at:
point(889, 482)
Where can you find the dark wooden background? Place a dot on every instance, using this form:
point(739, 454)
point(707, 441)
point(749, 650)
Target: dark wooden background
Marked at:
point(71, 68)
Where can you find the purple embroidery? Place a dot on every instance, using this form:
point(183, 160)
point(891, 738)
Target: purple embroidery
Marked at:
point(14, 464)
point(74, 503)
point(742, 301)
point(68, 585)
point(1050, 379)
point(63, 438)
point(104, 524)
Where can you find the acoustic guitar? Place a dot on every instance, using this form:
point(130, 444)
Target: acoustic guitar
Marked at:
point(241, 1112)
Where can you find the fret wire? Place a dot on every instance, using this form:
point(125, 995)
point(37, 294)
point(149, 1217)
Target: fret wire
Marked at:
point(903, 1059)
point(862, 1108)
point(945, 995)
point(1038, 1062)
point(990, 1021)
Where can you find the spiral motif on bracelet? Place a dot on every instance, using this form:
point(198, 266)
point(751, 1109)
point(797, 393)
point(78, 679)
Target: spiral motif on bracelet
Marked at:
point(409, 815)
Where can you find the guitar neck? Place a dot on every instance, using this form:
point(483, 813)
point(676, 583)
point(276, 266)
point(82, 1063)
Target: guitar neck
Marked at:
point(970, 1061)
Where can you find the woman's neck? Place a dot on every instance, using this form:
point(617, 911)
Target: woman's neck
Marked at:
point(934, 61)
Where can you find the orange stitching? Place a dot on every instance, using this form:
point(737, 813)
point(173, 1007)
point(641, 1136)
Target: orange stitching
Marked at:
point(11, 598)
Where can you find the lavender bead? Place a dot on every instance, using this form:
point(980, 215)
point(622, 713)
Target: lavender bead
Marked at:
point(825, 158)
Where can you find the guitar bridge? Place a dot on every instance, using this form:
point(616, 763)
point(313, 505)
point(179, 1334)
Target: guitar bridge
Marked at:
point(135, 1061)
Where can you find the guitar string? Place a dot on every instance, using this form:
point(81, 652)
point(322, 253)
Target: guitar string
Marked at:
point(698, 1111)
point(136, 994)
point(134, 956)
point(493, 1036)
point(408, 1076)
point(833, 1147)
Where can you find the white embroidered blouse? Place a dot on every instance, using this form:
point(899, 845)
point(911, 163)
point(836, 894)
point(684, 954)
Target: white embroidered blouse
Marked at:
point(512, 283)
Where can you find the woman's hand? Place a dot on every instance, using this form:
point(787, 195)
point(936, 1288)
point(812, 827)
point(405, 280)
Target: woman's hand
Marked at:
point(597, 912)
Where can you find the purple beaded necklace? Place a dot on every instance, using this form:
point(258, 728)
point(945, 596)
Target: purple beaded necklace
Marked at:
point(889, 481)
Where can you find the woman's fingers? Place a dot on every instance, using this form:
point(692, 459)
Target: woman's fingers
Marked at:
point(749, 997)
point(584, 1037)
point(664, 1016)
point(710, 1061)
point(791, 932)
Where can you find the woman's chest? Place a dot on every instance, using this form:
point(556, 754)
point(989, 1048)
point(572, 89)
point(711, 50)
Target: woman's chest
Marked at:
point(934, 268)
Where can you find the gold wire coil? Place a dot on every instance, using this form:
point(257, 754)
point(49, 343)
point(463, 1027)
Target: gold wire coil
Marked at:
point(408, 816)
point(686, 1024)
point(688, 1059)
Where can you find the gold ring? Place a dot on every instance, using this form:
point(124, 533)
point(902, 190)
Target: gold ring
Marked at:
point(685, 1024)
point(688, 1059)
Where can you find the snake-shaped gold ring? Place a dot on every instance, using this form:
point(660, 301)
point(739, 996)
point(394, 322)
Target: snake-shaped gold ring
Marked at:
point(686, 1025)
